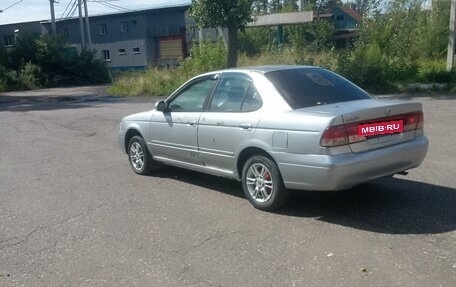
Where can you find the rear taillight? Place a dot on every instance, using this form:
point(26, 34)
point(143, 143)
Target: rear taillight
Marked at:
point(411, 121)
point(420, 124)
point(334, 136)
point(341, 135)
point(352, 133)
point(347, 134)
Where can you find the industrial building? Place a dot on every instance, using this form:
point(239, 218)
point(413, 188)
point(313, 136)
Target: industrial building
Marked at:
point(161, 36)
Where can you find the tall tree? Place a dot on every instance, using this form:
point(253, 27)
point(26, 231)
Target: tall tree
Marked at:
point(230, 14)
point(260, 7)
point(360, 5)
point(324, 6)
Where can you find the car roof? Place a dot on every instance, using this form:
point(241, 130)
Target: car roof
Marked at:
point(269, 68)
point(261, 69)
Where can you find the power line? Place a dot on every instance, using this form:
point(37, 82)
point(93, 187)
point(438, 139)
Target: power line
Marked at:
point(70, 12)
point(112, 6)
point(12, 5)
point(66, 8)
point(115, 7)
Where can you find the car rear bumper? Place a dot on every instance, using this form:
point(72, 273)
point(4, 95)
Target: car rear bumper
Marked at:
point(336, 172)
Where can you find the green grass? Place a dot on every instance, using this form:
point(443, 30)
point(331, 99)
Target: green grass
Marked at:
point(288, 56)
point(162, 82)
point(153, 82)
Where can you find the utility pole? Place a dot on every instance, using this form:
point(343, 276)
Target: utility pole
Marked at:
point(224, 39)
point(89, 37)
point(452, 36)
point(200, 35)
point(81, 25)
point(54, 31)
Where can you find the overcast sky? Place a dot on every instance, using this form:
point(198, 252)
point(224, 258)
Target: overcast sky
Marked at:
point(31, 10)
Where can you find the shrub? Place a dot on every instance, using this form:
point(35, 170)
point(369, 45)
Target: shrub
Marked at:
point(8, 79)
point(153, 81)
point(205, 57)
point(29, 77)
point(367, 68)
point(434, 71)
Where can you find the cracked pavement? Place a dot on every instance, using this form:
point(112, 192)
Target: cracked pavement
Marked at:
point(72, 213)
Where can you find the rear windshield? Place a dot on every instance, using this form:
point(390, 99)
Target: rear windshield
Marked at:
point(307, 87)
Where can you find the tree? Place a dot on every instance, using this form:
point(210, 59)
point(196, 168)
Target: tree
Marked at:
point(316, 36)
point(24, 50)
point(362, 6)
point(324, 6)
point(230, 14)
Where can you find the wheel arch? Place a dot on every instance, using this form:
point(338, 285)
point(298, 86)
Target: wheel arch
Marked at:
point(131, 132)
point(248, 152)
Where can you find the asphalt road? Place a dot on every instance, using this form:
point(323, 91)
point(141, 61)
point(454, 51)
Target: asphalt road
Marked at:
point(72, 213)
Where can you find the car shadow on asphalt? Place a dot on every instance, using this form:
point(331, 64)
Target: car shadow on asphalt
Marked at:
point(393, 205)
point(220, 184)
point(46, 103)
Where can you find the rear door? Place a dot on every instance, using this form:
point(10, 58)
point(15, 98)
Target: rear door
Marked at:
point(231, 118)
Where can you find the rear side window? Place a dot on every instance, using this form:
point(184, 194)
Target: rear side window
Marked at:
point(307, 87)
point(235, 93)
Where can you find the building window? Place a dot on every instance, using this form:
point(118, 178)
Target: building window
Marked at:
point(340, 17)
point(8, 40)
point(124, 27)
point(102, 29)
point(105, 55)
point(122, 52)
point(65, 32)
point(136, 51)
point(340, 44)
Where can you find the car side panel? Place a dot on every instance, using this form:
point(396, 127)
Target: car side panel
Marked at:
point(219, 135)
point(174, 136)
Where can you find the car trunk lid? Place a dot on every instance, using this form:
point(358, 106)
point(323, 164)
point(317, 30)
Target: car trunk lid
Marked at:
point(363, 124)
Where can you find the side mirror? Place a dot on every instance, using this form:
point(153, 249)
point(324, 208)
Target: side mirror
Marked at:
point(160, 106)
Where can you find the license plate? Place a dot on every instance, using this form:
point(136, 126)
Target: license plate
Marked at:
point(381, 128)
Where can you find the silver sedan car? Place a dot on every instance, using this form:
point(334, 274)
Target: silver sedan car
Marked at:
point(276, 128)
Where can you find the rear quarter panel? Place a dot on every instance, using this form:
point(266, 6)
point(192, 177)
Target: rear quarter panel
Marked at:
point(293, 132)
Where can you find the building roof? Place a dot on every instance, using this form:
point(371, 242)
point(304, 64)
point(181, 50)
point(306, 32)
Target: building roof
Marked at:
point(282, 19)
point(351, 12)
point(139, 11)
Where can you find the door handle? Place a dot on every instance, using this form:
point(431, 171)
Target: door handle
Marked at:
point(245, 126)
point(192, 123)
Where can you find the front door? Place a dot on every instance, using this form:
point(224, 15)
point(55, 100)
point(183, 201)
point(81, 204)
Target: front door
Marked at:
point(173, 133)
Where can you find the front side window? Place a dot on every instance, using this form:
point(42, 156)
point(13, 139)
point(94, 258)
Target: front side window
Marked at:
point(192, 98)
point(136, 51)
point(235, 93)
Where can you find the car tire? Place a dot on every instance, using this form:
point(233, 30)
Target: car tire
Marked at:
point(262, 183)
point(139, 156)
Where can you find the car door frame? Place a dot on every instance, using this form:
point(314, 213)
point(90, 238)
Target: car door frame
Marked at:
point(242, 123)
point(163, 150)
